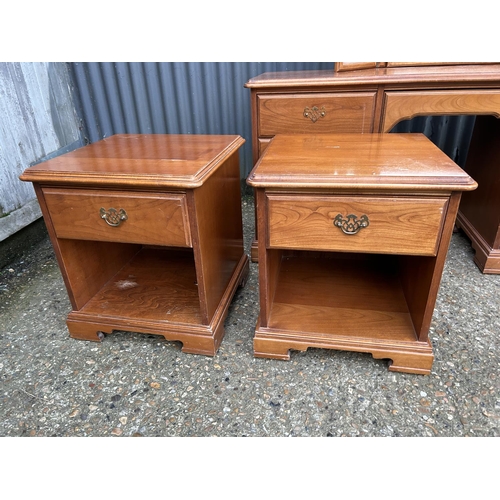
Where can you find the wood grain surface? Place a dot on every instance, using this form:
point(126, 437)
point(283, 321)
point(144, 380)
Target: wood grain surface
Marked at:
point(348, 297)
point(344, 112)
point(152, 218)
point(408, 104)
point(467, 74)
point(358, 161)
point(157, 285)
point(397, 225)
point(155, 161)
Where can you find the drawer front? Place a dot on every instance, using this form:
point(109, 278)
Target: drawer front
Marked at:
point(315, 113)
point(148, 218)
point(405, 105)
point(399, 225)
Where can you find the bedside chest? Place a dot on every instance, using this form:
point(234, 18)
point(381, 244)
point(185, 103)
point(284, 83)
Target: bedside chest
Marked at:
point(353, 235)
point(148, 234)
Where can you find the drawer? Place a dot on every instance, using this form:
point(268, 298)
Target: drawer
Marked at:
point(148, 218)
point(407, 104)
point(315, 113)
point(393, 225)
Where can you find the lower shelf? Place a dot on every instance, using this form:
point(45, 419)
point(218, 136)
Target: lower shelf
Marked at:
point(156, 285)
point(346, 302)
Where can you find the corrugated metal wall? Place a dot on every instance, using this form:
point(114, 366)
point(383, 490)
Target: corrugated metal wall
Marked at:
point(206, 98)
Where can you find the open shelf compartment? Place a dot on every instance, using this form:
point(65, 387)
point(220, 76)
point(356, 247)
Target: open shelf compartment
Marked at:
point(347, 295)
point(344, 301)
point(341, 294)
point(157, 284)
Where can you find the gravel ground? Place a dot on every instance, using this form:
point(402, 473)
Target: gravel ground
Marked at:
point(142, 385)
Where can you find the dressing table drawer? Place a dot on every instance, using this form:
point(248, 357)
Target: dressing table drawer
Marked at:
point(315, 113)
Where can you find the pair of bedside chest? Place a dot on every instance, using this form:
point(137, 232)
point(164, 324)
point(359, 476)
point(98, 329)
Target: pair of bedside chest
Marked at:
point(353, 235)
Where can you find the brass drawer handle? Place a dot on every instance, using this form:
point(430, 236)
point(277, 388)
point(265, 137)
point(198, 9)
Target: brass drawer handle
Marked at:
point(314, 113)
point(113, 217)
point(351, 225)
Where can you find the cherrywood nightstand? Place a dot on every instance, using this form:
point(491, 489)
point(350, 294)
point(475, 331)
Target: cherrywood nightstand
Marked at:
point(353, 235)
point(147, 230)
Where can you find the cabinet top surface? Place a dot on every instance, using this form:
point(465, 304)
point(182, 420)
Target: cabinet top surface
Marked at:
point(155, 160)
point(358, 161)
point(467, 74)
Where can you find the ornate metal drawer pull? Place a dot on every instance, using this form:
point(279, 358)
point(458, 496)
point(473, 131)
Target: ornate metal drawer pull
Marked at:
point(113, 217)
point(314, 113)
point(351, 225)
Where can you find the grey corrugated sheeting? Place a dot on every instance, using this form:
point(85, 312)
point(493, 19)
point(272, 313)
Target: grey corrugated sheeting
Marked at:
point(172, 97)
point(205, 98)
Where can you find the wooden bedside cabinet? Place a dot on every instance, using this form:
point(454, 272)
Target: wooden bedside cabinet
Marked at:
point(353, 235)
point(148, 233)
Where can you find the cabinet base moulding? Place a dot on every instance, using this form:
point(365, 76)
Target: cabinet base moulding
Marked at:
point(414, 357)
point(254, 251)
point(486, 257)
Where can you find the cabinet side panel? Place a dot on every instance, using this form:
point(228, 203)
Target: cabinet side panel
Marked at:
point(255, 141)
point(421, 276)
point(217, 230)
point(269, 260)
point(482, 206)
